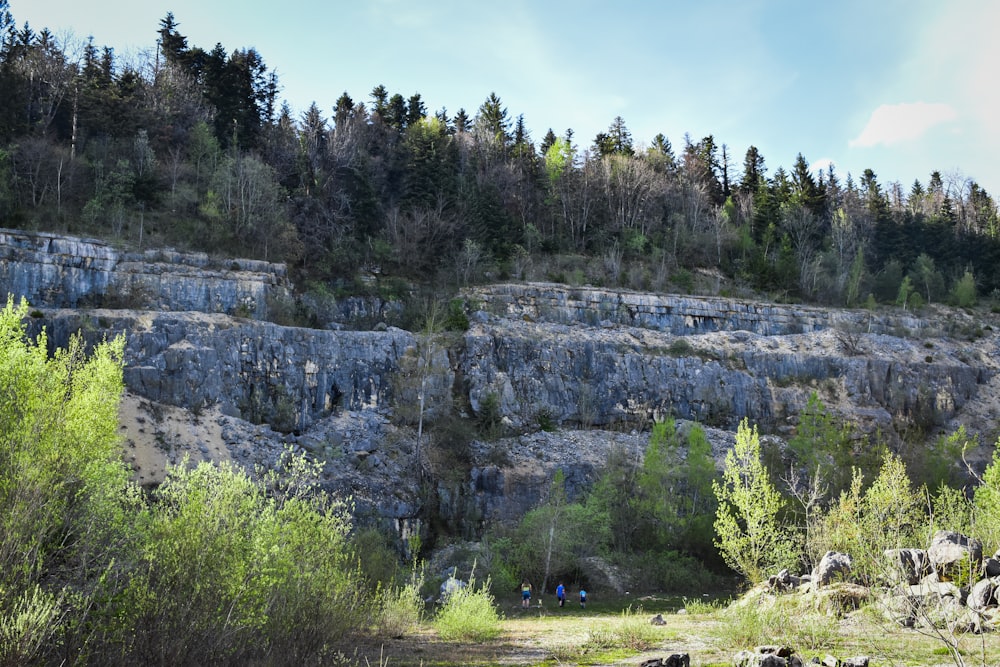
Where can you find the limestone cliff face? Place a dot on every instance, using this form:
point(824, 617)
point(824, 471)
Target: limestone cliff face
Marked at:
point(68, 272)
point(596, 365)
point(579, 356)
point(255, 370)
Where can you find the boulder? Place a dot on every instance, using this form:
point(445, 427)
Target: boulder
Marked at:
point(983, 595)
point(928, 604)
point(675, 660)
point(838, 599)
point(991, 567)
point(907, 566)
point(834, 566)
point(751, 659)
point(783, 581)
point(954, 556)
point(768, 656)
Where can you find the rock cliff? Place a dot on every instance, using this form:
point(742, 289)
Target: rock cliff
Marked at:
point(68, 272)
point(209, 377)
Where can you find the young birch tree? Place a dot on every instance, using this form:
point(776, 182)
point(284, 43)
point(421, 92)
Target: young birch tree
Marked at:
point(750, 537)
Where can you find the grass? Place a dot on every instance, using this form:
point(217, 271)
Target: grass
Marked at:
point(617, 632)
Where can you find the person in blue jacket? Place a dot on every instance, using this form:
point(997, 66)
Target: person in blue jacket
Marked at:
point(561, 594)
point(583, 598)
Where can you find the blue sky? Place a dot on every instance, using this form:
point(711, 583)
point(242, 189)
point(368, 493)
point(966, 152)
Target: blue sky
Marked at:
point(901, 87)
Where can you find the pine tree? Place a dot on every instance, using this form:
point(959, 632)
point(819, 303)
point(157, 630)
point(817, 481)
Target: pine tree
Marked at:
point(462, 122)
point(342, 110)
point(547, 142)
point(804, 188)
point(380, 98)
point(753, 171)
point(415, 109)
point(492, 124)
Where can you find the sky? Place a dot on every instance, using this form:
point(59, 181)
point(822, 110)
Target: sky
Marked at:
point(903, 87)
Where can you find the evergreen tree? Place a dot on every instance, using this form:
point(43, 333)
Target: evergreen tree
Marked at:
point(661, 154)
point(395, 112)
point(173, 45)
point(547, 142)
point(462, 122)
point(522, 148)
point(380, 99)
point(415, 109)
point(701, 166)
point(804, 188)
point(753, 171)
point(616, 141)
point(492, 125)
point(342, 110)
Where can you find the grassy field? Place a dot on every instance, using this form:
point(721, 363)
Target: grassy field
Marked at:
point(619, 632)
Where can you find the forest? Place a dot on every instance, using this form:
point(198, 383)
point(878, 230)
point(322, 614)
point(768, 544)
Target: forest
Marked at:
point(193, 148)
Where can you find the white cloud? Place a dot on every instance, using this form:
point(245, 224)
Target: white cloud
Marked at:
point(823, 163)
point(895, 123)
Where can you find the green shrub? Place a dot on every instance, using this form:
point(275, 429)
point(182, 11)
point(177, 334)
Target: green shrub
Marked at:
point(490, 416)
point(751, 536)
point(26, 627)
point(701, 606)
point(546, 420)
point(752, 621)
point(679, 347)
point(469, 615)
point(400, 609)
point(231, 568)
point(456, 319)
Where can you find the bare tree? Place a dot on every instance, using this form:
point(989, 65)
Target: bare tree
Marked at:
point(628, 186)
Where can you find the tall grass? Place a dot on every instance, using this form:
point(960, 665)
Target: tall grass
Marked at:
point(631, 631)
point(754, 621)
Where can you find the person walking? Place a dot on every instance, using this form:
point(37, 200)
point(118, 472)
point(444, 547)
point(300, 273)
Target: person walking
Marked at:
point(561, 594)
point(525, 593)
point(583, 598)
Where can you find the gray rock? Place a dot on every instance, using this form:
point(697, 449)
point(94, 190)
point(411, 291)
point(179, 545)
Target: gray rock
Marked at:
point(991, 567)
point(982, 595)
point(953, 555)
point(908, 566)
point(68, 272)
point(834, 566)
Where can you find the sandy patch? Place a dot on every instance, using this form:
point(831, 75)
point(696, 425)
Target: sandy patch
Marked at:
point(156, 435)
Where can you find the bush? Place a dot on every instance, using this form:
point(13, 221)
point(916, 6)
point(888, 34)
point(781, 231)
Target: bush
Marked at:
point(65, 501)
point(27, 626)
point(469, 615)
point(231, 568)
point(455, 318)
point(490, 418)
point(400, 609)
